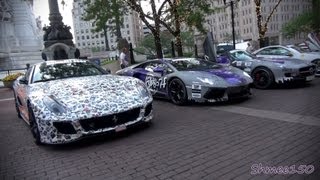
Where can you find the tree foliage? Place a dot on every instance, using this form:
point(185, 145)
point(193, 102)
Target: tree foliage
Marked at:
point(263, 27)
point(306, 22)
point(107, 15)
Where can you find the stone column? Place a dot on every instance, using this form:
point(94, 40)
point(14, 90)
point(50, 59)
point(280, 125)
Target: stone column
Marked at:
point(58, 38)
point(54, 16)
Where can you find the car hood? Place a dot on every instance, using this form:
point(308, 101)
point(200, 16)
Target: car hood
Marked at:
point(222, 76)
point(90, 96)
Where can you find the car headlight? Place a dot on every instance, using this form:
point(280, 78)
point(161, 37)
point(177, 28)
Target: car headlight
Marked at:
point(285, 69)
point(143, 90)
point(246, 74)
point(206, 80)
point(53, 105)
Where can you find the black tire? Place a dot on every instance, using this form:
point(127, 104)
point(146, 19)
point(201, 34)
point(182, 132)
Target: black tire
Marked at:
point(177, 92)
point(263, 78)
point(34, 127)
point(317, 63)
point(17, 106)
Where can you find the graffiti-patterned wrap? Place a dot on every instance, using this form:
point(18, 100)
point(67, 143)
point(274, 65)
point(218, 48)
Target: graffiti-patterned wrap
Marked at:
point(191, 79)
point(281, 69)
point(70, 99)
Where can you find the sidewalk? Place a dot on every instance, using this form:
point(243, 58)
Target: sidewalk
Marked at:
point(114, 67)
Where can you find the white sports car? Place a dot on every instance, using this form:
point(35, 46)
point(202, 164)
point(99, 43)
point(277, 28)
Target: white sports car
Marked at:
point(66, 100)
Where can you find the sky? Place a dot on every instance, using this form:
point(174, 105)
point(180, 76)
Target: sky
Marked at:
point(41, 8)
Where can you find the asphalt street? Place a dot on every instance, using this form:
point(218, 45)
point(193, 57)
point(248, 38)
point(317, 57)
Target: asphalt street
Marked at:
point(279, 127)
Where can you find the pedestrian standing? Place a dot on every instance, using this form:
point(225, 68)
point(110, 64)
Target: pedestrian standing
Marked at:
point(249, 48)
point(124, 61)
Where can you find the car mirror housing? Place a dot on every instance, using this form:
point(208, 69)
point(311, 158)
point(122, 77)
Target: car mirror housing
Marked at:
point(108, 70)
point(23, 80)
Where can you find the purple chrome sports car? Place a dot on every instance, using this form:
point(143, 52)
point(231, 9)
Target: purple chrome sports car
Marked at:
point(184, 79)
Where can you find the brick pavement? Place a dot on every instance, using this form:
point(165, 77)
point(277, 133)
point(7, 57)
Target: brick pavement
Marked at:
point(193, 142)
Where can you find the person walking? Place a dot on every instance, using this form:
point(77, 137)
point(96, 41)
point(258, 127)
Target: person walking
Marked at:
point(124, 61)
point(249, 48)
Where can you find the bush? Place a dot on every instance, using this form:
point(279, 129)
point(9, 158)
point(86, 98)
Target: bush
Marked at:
point(12, 77)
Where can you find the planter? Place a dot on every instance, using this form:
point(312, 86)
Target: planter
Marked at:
point(8, 84)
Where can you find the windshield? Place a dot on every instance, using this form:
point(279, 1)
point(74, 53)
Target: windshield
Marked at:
point(241, 55)
point(299, 49)
point(193, 64)
point(48, 72)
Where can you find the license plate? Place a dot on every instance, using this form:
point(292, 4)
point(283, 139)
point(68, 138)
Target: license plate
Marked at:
point(120, 128)
point(309, 78)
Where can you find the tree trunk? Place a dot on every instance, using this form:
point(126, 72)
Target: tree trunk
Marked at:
point(106, 38)
point(179, 45)
point(157, 42)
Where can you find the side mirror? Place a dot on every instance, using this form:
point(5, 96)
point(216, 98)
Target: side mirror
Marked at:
point(108, 70)
point(289, 54)
point(23, 80)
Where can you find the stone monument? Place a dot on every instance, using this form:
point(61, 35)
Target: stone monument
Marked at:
point(57, 37)
point(20, 41)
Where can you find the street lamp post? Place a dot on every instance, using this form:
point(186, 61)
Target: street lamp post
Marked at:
point(232, 22)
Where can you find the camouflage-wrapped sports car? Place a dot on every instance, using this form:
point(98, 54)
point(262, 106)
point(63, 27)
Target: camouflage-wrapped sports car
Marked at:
point(184, 79)
point(65, 100)
point(266, 71)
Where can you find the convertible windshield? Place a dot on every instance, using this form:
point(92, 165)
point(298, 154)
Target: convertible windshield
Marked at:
point(48, 72)
point(193, 64)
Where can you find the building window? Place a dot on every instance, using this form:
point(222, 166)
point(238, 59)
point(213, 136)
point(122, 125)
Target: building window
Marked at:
point(87, 30)
point(82, 37)
point(88, 37)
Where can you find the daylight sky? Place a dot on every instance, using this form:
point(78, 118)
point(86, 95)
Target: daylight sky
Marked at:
point(41, 8)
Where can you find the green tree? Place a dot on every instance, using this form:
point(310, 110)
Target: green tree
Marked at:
point(147, 45)
point(106, 15)
point(154, 15)
point(306, 22)
point(185, 12)
point(263, 27)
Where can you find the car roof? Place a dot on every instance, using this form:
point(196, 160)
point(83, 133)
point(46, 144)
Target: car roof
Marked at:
point(63, 61)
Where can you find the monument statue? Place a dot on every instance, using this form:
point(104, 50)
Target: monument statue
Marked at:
point(57, 36)
point(20, 40)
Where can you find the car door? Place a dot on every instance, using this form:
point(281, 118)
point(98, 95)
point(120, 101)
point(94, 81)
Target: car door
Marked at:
point(241, 60)
point(21, 94)
point(154, 74)
point(274, 52)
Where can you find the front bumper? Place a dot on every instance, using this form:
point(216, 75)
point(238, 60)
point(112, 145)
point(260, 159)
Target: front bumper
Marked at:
point(302, 74)
point(217, 94)
point(61, 132)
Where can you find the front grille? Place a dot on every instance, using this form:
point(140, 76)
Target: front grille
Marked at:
point(110, 120)
point(306, 71)
point(64, 127)
point(148, 109)
point(238, 91)
point(214, 93)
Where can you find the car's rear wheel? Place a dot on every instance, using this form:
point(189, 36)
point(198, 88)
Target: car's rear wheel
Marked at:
point(317, 63)
point(34, 126)
point(16, 104)
point(178, 92)
point(262, 78)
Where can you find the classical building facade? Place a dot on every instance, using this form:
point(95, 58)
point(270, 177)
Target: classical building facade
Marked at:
point(20, 37)
point(246, 20)
point(86, 39)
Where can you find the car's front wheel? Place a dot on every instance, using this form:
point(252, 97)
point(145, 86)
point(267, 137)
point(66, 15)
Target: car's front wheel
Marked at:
point(16, 104)
point(178, 92)
point(262, 78)
point(34, 127)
